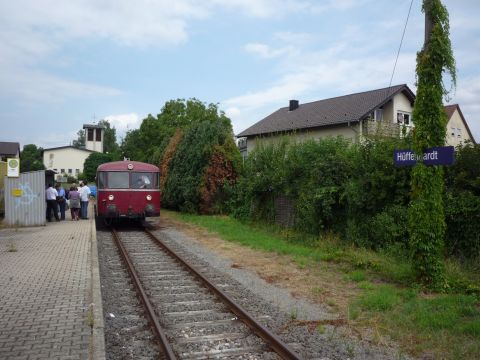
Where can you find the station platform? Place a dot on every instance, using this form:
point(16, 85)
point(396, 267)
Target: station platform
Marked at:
point(50, 299)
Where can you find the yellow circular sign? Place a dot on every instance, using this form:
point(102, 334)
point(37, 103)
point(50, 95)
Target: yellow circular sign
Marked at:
point(13, 163)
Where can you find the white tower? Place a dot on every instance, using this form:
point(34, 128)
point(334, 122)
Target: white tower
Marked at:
point(94, 137)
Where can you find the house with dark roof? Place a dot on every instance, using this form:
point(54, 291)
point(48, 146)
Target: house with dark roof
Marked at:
point(9, 150)
point(383, 112)
point(457, 128)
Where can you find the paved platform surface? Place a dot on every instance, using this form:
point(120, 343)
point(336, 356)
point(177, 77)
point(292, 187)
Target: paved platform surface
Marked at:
point(50, 301)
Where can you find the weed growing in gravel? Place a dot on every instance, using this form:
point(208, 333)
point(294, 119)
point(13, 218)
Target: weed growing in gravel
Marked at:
point(294, 314)
point(12, 248)
point(90, 318)
point(350, 351)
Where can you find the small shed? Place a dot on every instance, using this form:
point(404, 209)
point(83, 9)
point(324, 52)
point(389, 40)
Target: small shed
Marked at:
point(25, 199)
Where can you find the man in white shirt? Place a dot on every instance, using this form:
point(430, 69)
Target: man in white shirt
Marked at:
point(51, 197)
point(84, 196)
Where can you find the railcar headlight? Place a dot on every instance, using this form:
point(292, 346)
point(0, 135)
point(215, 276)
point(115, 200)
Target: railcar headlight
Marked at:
point(111, 197)
point(149, 197)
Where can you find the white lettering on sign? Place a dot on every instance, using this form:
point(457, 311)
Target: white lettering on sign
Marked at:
point(433, 155)
point(410, 156)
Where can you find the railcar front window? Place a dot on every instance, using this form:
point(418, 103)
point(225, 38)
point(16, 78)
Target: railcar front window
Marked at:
point(101, 180)
point(143, 180)
point(118, 180)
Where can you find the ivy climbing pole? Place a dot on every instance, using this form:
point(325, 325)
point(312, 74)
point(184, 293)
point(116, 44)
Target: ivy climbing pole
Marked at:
point(426, 220)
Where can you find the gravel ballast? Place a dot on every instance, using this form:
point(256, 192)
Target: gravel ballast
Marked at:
point(273, 306)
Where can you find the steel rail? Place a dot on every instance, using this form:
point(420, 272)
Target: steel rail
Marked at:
point(167, 350)
point(274, 342)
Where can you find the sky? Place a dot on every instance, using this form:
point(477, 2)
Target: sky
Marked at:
point(68, 63)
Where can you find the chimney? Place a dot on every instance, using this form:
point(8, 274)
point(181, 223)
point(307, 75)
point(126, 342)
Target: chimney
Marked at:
point(293, 105)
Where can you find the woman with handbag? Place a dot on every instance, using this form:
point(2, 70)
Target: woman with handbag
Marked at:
point(74, 197)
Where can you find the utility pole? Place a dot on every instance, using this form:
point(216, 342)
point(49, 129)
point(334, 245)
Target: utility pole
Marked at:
point(428, 24)
point(426, 212)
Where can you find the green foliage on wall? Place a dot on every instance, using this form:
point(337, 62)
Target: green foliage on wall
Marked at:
point(356, 191)
point(334, 185)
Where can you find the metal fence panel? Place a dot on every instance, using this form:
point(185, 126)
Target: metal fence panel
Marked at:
point(25, 199)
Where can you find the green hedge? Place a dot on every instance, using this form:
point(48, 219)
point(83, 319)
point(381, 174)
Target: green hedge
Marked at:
point(355, 190)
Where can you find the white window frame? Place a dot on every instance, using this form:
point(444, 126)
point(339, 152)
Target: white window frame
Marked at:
point(402, 114)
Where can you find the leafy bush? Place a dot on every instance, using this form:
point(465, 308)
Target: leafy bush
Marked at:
point(201, 142)
point(92, 162)
point(389, 227)
point(464, 175)
point(463, 224)
point(354, 190)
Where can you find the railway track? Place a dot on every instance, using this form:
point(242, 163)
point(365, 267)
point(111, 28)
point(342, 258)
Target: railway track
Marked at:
point(192, 317)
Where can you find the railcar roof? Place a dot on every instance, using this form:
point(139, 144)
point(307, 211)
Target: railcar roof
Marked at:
point(123, 166)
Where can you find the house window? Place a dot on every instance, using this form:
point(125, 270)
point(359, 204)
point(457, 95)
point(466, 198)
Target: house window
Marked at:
point(453, 131)
point(51, 156)
point(77, 171)
point(55, 170)
point(69, 171)
point(243, 154)
point(98, 135)
point(459, 132)
point(90, 134)
point(404, 118)
point(62, 171)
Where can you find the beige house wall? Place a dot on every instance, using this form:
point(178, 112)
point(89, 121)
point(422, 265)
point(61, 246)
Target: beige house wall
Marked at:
point(349, 132)
point(401, 103)
point(68, 158)
point(456, 131)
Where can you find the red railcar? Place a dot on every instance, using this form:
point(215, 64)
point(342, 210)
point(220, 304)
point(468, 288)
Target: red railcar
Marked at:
point(127, 189)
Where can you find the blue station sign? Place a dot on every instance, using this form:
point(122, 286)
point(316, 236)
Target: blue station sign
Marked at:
point(442, 155)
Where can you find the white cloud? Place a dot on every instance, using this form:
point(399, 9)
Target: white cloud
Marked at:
point(123, 123)
point(233, 112)
point(143, 23)
point(264, 8)
point(266, 52)
point(42, 87)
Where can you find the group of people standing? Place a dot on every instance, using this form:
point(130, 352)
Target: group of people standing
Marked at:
point(77, 201)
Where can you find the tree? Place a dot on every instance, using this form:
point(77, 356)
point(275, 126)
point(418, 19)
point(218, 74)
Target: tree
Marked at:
point(31, 158)
point(80, 142)
point(109, 139)
point(92, 162)
point(149, 141)
point(426, 213)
